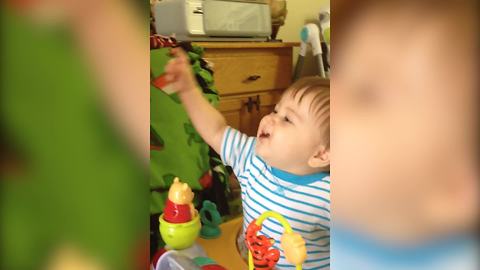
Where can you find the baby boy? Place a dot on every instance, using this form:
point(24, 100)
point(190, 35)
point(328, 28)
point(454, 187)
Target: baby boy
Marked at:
point(285, 168)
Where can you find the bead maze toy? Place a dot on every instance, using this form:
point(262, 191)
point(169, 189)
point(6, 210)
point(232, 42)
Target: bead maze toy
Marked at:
point(261, 255)
point(180, 227)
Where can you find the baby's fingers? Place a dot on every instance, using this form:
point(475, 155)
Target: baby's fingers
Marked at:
point(171, 67)
point(179, 55)
point(174, 68)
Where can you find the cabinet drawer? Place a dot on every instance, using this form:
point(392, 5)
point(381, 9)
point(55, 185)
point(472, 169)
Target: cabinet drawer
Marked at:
point(252, 71)
point(236, 111)
point(237, 103)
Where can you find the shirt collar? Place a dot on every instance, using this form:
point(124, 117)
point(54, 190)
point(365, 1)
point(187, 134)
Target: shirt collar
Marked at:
point(366, 245)
point(299, 179)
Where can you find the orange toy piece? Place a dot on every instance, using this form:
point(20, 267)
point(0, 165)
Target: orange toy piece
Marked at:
point(179, 207)
point(264, 256)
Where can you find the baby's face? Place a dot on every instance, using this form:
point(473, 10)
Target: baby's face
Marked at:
point(287, 137)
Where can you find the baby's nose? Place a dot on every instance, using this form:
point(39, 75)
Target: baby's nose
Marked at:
point(269, 119)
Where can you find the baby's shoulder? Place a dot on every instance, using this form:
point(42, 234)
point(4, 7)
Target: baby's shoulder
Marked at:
point(318, 189)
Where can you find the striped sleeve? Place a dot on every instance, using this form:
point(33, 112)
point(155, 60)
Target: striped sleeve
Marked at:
point(237, 149)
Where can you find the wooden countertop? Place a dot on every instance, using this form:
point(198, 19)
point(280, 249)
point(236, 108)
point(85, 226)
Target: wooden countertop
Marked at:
point(247, 45)
point(223, 250)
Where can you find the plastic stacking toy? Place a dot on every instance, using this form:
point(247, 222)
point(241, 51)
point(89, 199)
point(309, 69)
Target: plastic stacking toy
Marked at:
point(180, 222)
point(261, 254)
point(179, 207)
point(208, 264)
point(210, 227)
point(174, 260)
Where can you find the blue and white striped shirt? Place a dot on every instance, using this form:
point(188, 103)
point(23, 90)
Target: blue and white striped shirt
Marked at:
point(303, 200)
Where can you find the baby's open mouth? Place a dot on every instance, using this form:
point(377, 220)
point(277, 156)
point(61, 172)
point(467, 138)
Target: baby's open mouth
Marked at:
point(263, 135)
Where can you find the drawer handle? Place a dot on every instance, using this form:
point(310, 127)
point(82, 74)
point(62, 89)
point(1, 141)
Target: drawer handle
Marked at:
point(253, 78)
point(257, 103)
point(250, 103)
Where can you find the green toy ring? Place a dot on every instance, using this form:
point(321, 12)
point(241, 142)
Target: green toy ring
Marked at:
point(210, 227)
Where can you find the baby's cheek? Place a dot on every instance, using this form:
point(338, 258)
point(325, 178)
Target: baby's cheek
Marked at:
point(301, 145)
point(289, 138)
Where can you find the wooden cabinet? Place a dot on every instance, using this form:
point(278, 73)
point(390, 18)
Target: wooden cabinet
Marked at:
point(245, 111)
point(250, 78)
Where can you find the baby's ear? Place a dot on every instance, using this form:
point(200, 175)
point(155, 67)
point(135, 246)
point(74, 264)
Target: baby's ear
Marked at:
point(320, 157)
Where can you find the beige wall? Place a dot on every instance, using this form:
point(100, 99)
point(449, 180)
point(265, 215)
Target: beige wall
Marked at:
point(301, 12)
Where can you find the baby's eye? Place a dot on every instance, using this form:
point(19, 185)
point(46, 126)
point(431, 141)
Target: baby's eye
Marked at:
point(286, 119)
point(274, 111)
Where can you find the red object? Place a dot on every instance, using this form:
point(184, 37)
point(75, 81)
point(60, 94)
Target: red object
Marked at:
point(160, 82)
point(159, 41)
point(264, 256)
point(206, 180)
point(176, 213)
point(157, 256)
point(155, 147)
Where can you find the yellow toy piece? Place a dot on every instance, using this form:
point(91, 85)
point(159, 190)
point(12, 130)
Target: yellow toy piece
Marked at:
point(294, 248)
point(292, 243)
point(180, 235)
point(180, 193)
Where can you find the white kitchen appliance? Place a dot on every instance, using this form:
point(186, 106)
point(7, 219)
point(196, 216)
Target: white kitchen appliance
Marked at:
point(208, 20)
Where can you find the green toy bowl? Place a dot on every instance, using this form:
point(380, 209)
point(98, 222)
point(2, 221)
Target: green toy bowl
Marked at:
point(180, 235)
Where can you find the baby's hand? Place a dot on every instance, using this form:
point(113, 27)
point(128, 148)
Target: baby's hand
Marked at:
point(294, 248)
point(178, 72)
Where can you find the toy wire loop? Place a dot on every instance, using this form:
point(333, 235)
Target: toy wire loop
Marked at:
point(286, 227)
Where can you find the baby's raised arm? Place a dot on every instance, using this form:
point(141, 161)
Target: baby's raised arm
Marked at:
point(209, 123)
